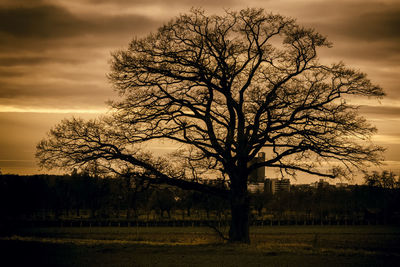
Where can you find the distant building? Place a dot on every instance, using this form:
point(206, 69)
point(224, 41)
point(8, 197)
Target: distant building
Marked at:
point(258, 182)
point(221, 183)
point(341, 185)
point(274, 186)
point(282, 185)
point(258, 175)
point(320, 184)
point(303, 186)
point(255, 187)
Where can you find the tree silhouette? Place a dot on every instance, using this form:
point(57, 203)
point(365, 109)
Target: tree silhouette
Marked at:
point(386, 179)
point(222, 88)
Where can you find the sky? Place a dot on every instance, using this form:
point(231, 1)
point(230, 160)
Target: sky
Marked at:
point(55, 54)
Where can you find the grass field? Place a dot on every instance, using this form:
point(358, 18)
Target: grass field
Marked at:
point(198, 246)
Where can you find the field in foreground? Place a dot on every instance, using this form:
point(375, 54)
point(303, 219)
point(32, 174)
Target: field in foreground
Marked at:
point(271, 246)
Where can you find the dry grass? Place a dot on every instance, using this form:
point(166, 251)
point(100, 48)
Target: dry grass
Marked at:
point(271, 246)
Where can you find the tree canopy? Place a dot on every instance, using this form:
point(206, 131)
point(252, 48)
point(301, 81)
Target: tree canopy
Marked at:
point(223, 88)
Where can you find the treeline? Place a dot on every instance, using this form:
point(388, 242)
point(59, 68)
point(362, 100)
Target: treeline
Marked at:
point(330, 205)
point(83, 197)
point(53, 197)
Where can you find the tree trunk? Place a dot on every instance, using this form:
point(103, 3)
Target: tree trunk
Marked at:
point(131, 203)
point(188, 211)
point(239, 228)
point(240, 204)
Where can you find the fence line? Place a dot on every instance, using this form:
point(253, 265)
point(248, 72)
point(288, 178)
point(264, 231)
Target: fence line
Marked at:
point(188, 223)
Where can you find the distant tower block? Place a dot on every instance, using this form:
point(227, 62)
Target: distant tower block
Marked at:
point(258, 175)
point(273, 186)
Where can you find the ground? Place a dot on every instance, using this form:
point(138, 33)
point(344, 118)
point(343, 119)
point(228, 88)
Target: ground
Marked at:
point(168, 246)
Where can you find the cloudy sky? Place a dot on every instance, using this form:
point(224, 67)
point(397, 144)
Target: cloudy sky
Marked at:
point(54, 57)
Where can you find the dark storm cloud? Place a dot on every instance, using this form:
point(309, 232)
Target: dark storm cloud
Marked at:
point(13, 61)
point(189, 3)
point(133, 24)
point(48, 21)
point(40, 21)
point(375, 26)
point(367, 30)
point(26, 32)
point(49, 56)
point(10, 73)
point(368, 26)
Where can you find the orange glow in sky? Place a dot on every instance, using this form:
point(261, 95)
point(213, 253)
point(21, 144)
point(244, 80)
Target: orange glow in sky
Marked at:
point(54, 59)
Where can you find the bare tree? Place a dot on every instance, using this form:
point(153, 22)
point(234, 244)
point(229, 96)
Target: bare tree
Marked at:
point(222, 88)
point(385, 179)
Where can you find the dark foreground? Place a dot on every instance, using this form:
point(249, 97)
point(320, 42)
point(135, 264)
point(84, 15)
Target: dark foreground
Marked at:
point(272, 246)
